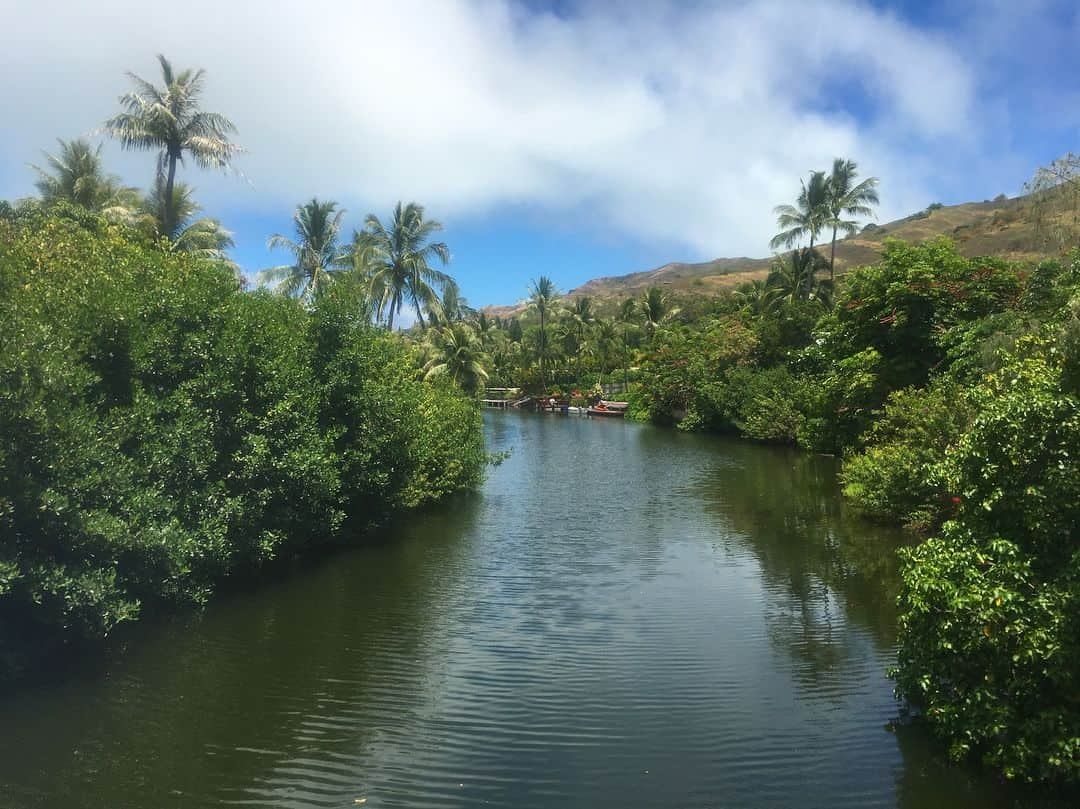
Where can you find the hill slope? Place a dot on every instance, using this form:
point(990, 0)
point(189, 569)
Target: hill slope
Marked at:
point(1001, 227)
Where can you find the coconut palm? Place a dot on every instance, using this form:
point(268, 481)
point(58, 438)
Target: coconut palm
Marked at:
point(656, 310)
point(453, 306)
point(75, 174)
point(317, 253)
point(754, 297)
point(602, 343)
point(807, 217)
point(845, 198)
point(168, 120)
point(542, 296)
point(794, 278)
point(398, 260)
point(485, 327)
point(456, 353)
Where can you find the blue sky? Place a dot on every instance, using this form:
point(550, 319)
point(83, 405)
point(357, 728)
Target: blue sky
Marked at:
point(574, 139)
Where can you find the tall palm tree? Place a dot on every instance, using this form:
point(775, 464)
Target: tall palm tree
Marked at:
point(845, 198)
point(807, 217)
point(456, 353)
point(542, 296)
point(317, 252)
point(76, 174)
point(656, 310)
point(168, 120)
point(397, 258)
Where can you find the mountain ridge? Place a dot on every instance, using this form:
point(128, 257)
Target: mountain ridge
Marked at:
point(1003, 227)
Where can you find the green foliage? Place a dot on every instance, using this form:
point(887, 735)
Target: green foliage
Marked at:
point(895, 477)
point(160, 430)
point(765, 405)
point(990, 626)
point(900, 305)
point(679, 379)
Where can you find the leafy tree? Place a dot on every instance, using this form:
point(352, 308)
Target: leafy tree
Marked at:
point(75, 174)
point(990, 609)
point(317, 252)
point(168, 120)
point(844, 198)
point(240, 428)
point(398, 261)
point(807, 218)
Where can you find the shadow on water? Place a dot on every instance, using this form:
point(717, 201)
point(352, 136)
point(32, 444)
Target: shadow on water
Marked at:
point(233, 704)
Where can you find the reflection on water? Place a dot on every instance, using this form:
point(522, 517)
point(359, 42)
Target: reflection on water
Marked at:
point(623, 616)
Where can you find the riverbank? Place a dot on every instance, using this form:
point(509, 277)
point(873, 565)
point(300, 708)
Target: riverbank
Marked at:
point(161, 431)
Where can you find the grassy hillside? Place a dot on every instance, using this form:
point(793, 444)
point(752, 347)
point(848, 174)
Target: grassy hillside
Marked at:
point(1002, 227)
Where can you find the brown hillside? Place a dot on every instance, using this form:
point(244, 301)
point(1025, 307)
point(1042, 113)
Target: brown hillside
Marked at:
point(1001, 227)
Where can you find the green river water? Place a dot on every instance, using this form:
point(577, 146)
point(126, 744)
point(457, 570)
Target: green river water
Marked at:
point(623, 616)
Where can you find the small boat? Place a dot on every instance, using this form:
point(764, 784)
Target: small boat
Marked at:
point(603, 410)
point(614, 405)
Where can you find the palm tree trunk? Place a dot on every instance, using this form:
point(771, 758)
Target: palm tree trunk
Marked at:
point(543, 340)
point(832, 256)
point(170, 181)
point(394, 303)
point(419, 314)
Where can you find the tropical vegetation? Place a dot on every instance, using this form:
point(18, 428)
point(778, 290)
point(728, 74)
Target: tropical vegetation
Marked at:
point(161, 429)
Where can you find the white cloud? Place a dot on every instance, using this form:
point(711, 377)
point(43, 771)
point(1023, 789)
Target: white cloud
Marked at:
point(680, 125)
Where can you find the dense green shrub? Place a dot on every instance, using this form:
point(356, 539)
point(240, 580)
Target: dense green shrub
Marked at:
point(896, 477)
point(160, 430)
point(990, 623)
point(678, 380)
point(765, 404)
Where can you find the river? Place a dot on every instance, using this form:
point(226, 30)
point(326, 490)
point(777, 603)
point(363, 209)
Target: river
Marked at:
point(624, 616)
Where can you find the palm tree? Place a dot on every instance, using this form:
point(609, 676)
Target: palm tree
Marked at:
point(188, 233)
point(485, 327)
point(844, 198)
point(542, 295)
point(656, 310)
point(807, 217)
point(76, 175)
point(602, 342)
point(453, 306)
point(627, 329)
point(457, 354)
point(794, 278)
point(398, 260)
point(754, 297)
point(168, 120)
point(317, 253)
